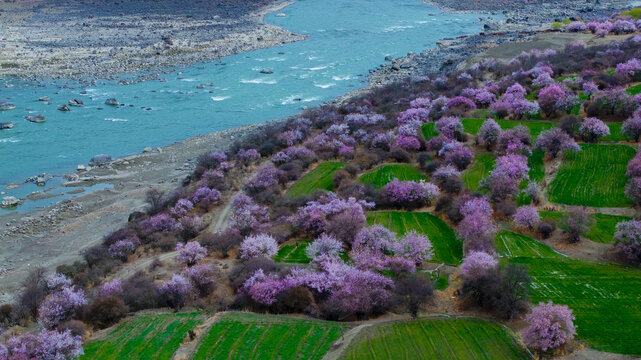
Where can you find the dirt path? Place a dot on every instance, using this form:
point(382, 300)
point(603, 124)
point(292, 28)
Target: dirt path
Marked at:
point(131, 268)
point(222, 219)
point(188, 347)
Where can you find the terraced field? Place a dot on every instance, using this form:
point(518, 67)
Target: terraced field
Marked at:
point(251, 336)
point(429, 131)
point(446, 247)
point(384, 174)
point(605, 298)
point(472, 126)
point(435, 339)
point(615, 132)
point(144, 337)
point(602, 230)
point(318, 179)
point(594, 176)
point(510, 244)
point(293, 253)
point(483, 164)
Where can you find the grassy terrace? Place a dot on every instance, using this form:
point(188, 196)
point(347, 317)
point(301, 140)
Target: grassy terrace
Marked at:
point(318, 179)
point(384, 174)
point(602, 230)
point(252, 336)
point(605, 299)
point(293, 253)
point(510, 244)
point(144, 337)
point(446, 247)
point(435, 339)
point(594, 176)
point(472, 126)
point(480, 168)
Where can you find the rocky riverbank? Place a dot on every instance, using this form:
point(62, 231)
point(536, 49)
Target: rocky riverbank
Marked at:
point(525, 22)
point(87, 40)
point(59, 234)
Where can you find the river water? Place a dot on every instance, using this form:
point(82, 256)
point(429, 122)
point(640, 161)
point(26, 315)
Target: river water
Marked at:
point(346, 39)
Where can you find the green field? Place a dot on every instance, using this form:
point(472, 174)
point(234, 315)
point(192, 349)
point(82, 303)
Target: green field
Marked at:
point(634, 90)
point(615, 132)
point(635, 13)
point(252, 336)
point(605, 298)
point(384, 174)
point(472, 126)
point(594, 176)
point(144, 337)
point(483, 164)
point(446, 247)
point(291, 253)
point(318, 179)
point(429, 131)
point(602, 230)
point(510, 244)
point(435, 339)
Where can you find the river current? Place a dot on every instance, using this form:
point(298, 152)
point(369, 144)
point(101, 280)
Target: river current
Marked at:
point(346, 39)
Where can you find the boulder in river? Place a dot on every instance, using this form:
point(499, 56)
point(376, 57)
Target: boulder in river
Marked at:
point(4, 106)
point(64, 108)
point(9, 201)
point(112, 102)
point(81, 167)
point(40, 181)
point(6, 125)
point(266, 71)
point(43, 98)
point(76, 102)
point(99, 160)
point(36, 118)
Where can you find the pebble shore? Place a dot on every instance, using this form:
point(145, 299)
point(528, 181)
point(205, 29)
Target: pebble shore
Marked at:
point(89, 40)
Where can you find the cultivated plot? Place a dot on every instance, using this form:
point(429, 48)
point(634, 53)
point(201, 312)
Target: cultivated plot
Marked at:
point(435, 339)
point(594, 176)
point(253, 336)
point(605, 299)
point(318, 179)
point(384, 174)
point(510, 244)
point(447, 248)
point(144, 337)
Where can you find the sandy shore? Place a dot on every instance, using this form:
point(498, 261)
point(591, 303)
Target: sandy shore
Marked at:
point(88, 40)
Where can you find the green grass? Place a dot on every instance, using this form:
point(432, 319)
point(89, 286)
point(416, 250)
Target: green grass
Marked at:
point(472, 126)
point(483, 164)
point(429, 131)
point(318, 179)
point(510, 244)
point(254, 336)
point(536, 173)
point(144, 337)
point(446, 247)
point(634, 89)
point(290, 253)
point(635, 13)
point(384, 174)
point(605, 299)
point(594, 176)
point(435, 339)
point(615, 132)
point(602, 230)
